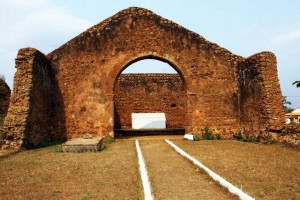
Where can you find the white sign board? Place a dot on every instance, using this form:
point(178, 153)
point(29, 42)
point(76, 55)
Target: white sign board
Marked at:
point(148, 120)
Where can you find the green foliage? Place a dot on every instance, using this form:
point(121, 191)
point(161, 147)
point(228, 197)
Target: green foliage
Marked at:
point(105, 143)
point(58, 148)
point(239, 136)
point(196, 137)
point(269, 140)
point(109, 140)
point(207, 134)
point(297, 83)
point(286, 101)
point(286, 108)
point(250, 138)
point(253, 138)
point(218, 136)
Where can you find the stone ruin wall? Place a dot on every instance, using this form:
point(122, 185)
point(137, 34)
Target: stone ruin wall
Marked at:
point(4, 98)
point(223, 91)
point(261, 98)
point(30, 113)
point(103, 51)
point(150, 93)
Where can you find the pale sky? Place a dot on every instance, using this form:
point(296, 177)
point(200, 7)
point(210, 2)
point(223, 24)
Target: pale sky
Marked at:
point(244, 27)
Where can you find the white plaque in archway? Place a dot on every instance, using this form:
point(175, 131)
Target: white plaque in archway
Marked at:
point(148, 120)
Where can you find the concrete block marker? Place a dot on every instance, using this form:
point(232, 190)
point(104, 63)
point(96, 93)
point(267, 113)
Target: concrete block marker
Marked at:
point(144, 175)
point(213, 175)
point(79, 145)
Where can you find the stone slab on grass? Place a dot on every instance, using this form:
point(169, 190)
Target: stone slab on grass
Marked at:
point(79, 145)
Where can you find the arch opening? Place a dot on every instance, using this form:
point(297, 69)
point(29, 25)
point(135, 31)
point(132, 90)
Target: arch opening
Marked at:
point(145, 89)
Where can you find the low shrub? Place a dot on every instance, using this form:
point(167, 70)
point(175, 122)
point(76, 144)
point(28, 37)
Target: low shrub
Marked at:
point(207, 134)
point(239, 136)
point(249, 138)
point(196, 137)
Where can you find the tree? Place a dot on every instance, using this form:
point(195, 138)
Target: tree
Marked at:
point(286, 101)
point(297, 83)
point(286, 108)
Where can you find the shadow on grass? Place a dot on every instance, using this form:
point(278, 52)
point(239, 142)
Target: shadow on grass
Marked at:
point(9, 154)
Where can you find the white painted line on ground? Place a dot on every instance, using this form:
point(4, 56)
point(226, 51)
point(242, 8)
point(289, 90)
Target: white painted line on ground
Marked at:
point(144, 175)
point(216, 177)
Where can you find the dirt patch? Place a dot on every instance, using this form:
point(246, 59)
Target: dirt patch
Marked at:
point(263, 171)
point(45, 174)
point(173, 177)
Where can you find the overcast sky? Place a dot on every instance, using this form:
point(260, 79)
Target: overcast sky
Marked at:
point(244, 27)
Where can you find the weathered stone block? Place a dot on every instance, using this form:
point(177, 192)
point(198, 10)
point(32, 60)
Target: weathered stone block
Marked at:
point(80, 145)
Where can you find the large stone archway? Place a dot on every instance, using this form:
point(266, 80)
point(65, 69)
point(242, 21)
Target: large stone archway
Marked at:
point(71, 90)
point(150, 93)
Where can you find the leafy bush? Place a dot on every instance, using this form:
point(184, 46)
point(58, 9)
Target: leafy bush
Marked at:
point(109, 140)
point(196, 137)
point(207, 134)
point(269, 140)
point(106, 142)
point(250, 138)
point(239, 136)
point(253, 138)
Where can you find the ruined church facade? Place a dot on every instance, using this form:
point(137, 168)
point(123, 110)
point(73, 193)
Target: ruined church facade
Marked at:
point(72, 90)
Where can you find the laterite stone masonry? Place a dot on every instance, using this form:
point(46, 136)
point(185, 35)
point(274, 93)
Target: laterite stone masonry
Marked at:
point(4, 98)
point(72, 91)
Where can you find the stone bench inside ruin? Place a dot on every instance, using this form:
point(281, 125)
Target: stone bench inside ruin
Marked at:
point(149, 124)
point(148, 120)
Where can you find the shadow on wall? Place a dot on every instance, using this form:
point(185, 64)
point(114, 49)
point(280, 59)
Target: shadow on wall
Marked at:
point(58, 131)
point(117, 120)
point(46, 119)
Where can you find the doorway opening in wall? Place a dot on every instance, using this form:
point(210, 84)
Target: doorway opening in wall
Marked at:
point(149, 99)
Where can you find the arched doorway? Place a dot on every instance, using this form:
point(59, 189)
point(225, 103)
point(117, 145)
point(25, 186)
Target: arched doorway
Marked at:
point(149, 87)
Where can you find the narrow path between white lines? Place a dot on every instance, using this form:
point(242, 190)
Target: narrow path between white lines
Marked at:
point(173, 177)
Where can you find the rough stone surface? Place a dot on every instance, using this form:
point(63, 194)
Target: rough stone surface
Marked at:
point(261, 98)
point(79, 145)
point(150, 93)
point(71, 91)
point(31, 113)
point(4, 98)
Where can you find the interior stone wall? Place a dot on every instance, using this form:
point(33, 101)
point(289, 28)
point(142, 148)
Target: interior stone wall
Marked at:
point(150, 93)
